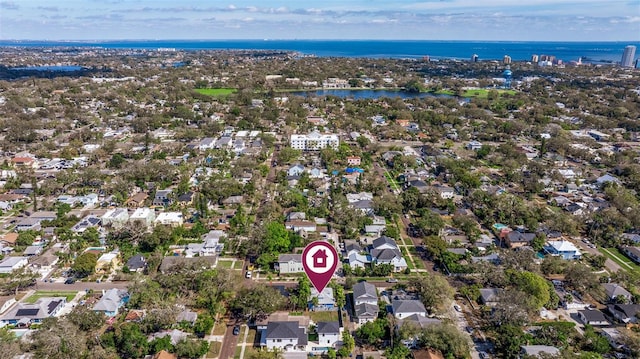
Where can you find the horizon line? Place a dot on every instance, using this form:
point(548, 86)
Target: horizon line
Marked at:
point(323, 39)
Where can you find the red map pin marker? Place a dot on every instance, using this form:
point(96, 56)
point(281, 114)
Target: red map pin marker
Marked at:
point(319, 260)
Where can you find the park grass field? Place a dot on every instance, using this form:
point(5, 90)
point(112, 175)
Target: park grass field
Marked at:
point(216, 92)
point(41, 294)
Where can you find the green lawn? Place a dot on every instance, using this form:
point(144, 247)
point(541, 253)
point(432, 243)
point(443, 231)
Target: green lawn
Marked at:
point(615, 255)
point(480, 93)
point(392, 181)
point(323, 316)
point(217, 92)
point(40, 294)
point(225, 264)
point(214, 349)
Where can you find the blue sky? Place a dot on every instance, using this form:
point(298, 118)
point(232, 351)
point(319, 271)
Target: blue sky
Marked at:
point(544, 20)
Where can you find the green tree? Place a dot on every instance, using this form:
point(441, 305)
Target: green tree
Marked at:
point(258, 302)
point(372, 333)
point(85, 319)
point(84, 264)
point(447, 339)
point(348, 344)
point(508, 340)
point(276, 238)
point(338, 294)
point(303, 292)
point(191, 349)
point(435, 292)
point(130, 341)
point(534, 285)
point(203, 325)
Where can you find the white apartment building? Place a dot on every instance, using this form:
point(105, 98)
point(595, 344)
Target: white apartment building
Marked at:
point(314, 141)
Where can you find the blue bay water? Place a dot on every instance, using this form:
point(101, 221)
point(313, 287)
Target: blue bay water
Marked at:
point(486, 50)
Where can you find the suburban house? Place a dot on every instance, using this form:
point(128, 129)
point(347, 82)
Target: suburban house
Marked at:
point(625, 313)
point(295, 170)
point(632, 252)
point(593, 317)
point(143, 215)
point(137, 263)
point(489, 296)
point(403, 308)
point(615, 290)
point(9, 264)
point(173, 219)
point(358, 260)
point(564, 249)
point(112, 300)
point(301, 226)
point(163, 197)
point(364, 292)
point(6, 302)
point(328, 334)
point(137, 200)
point(286, 336)
point(365, 299)
point(116, 217)
point(353, 160)
point(474, 146)
point(323, 300)
point(289, 263)
point(515, 239)
point(384, 250)
point(24, 314)
point(87, 222)
point(366, 312)
point(445, 192)
point(9, 238)
point(107, 261)
point(536, 350)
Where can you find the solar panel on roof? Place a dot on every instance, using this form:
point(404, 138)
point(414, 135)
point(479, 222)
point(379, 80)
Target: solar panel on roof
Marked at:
point(27, 312)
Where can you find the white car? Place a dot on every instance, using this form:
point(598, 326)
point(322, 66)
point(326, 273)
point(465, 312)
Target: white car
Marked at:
point(248, 274)
point(457, 308)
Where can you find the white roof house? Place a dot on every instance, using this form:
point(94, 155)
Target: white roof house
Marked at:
point(115, 217)
point(170, 218)
point(144, 215)
point(10, 264)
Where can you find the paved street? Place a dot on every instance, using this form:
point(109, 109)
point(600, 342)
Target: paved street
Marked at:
point(78, 286)
point(230, 342)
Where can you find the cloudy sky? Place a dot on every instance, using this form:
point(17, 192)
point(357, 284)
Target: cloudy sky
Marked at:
point(562, 20)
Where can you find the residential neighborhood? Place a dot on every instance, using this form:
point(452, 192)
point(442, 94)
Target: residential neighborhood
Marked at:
point(155, 210)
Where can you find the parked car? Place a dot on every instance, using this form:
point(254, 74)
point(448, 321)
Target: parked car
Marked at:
point(70, 281)
point(457, 308)
point(248, 274)
point(236, 330)
point(392, 280)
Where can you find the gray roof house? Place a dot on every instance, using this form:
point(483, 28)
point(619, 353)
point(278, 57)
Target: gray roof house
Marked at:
point(405, 308)
point(536, 350)
point(288, 336)
point(613, 290)
point(111, 301)
point(289, 263)
point(364, 292)
point(328, 334)
point(625, 313)
point(137, 263)
point(25, 314)
point(366, 312)
point(592, 317)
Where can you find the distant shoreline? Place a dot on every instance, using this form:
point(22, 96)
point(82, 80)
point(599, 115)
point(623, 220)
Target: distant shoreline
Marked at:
point(378, 49)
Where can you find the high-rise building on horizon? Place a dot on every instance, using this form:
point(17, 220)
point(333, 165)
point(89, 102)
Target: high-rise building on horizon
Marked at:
point(506, 60)
point(474, 58)
point(534, 58)
point(628, 56)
